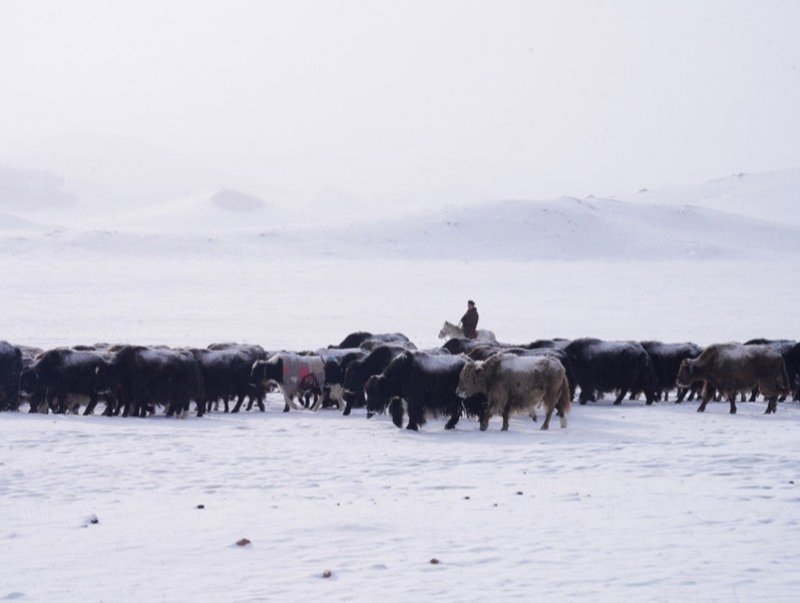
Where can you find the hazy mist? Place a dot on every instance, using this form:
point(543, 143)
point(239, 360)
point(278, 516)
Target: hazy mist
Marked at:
point(397, 104)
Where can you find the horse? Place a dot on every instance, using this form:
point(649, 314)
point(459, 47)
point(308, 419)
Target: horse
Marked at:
point(449, 330)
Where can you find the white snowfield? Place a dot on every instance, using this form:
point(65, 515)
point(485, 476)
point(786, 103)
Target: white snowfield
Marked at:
point(635, 503)
point(627, 503)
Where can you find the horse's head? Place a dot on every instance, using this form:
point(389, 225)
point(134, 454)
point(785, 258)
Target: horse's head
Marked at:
point(447, 330)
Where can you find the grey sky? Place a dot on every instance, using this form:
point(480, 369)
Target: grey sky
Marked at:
point(425, 102)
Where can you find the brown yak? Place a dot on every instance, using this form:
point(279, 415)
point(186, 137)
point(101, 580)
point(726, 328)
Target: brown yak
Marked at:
point(731, 368)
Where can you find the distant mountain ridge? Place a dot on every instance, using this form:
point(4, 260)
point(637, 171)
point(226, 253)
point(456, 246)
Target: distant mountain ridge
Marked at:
point(761, 222)
point(572, 229)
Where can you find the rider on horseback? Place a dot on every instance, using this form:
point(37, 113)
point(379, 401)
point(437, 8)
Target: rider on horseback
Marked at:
point(469, 322)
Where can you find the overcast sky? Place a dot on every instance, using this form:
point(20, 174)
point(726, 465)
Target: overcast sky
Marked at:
point(431, 102)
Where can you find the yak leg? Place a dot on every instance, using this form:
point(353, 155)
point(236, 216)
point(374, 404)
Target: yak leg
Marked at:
point(61, 403)
point(620, 397)
point(708, 392)
point(239, 406)
point(454, 417)
point(753, 395)
point(110, 405)
point(416, 416)
point(546, 424)
point(772, 406)
point(732, 400)
point(37, 402)
point(396, 412)
point(506, 413)
point(90, 407)
point(587, 394)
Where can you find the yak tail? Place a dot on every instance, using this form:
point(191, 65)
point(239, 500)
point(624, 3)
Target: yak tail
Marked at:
point(565, 399)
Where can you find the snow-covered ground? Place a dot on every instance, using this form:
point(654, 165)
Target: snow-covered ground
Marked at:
point(635, 503)
point(629, 502)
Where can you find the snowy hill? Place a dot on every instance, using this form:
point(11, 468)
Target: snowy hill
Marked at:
point(573, 229)
point(105, 172)
point(762, 222)
point(226, 210)
point(28, 191)
point(773, 196)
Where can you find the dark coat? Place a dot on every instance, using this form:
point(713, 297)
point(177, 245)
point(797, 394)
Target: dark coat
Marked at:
point(427, 383)
point(469, 322)
point(10, 370)
point(358, 371)
point(605, 366)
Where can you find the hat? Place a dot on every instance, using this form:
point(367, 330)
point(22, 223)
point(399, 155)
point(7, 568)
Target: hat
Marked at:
point(470, 302)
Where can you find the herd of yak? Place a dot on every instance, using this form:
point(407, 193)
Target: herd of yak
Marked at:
point(386, 372)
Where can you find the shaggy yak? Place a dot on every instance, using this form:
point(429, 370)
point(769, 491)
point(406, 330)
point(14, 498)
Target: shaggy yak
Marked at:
point(667, 358)
point(607, 366)
point(731, 368)
point(426, 382)
point(790, 350)
point(65, 378)
point(10, 370)
point(359, 371)
point(144, 377)
point(517, 383)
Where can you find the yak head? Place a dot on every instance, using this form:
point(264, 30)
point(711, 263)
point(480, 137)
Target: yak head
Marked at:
point(376, 390)
point(686, 373)
point(471, 380)
point(264, 372)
